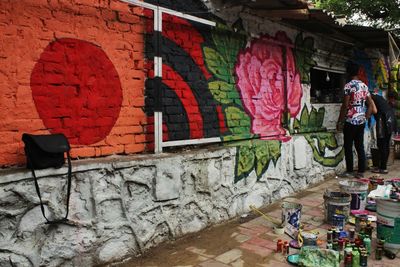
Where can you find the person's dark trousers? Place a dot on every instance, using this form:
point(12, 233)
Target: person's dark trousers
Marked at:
point(383, 148)
point(354, 134)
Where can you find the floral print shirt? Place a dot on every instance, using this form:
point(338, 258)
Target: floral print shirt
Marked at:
point(358, 92)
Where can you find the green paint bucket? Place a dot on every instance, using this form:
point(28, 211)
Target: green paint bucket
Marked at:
point(388, 222)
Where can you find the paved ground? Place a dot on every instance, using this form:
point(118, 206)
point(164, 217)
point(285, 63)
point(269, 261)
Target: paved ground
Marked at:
point(250, 241)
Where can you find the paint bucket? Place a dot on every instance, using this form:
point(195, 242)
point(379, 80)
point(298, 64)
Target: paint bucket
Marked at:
point(291, 214)
point(358, 191)
point(388, 222)
point(309, 239)
point(336, 203)
point(339, 221)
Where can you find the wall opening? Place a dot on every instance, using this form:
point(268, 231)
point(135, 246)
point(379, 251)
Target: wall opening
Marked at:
point(326, 86)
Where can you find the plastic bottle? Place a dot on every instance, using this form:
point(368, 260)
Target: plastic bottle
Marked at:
point(363, 260)
point(355, 258)
point(367, 244)
point(368, 229)
point(378, 253)
point(279, 246)
point(329, 245)
point(284, 249)
point(348, 260)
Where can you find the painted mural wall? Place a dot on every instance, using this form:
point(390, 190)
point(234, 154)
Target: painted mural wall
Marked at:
point(72, 67)
point(243, 88)
point(247, 83)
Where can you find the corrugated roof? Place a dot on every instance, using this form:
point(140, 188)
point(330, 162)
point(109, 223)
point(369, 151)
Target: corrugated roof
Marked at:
point(301, 14)
point(268, 4)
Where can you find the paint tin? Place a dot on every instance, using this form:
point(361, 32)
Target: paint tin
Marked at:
point(358, 191)
point(309, 239)
point(291, 214)
point(388, 223)
point(336, 203)
point(339, 220)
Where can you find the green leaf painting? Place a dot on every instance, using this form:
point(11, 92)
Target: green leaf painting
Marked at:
point(237, 120)
point(310, 121)
point(256, 155)
point(244, 161)
point(266, 151)
point(325, 140)
point(223, 92)
point(304, 50)
point(217, 64)
point(220, 60)
point(228, 45)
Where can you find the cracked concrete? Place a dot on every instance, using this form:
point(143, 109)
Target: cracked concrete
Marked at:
point(123, 206)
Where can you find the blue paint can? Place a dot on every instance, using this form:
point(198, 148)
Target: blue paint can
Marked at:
point(339, 221)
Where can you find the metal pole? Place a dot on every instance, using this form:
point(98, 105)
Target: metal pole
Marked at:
point(157, 81)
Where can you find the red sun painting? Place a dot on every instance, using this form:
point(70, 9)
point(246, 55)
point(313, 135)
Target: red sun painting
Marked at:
point(76, 90)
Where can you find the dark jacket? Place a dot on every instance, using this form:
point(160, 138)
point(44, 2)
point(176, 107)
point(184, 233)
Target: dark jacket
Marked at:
point(385, 117)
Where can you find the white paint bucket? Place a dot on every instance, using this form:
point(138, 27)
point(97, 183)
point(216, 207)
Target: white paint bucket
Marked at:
point(388, 222)
point(358, 191)
point(291, 214)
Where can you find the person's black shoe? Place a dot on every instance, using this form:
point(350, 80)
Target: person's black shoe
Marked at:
point(359, 175)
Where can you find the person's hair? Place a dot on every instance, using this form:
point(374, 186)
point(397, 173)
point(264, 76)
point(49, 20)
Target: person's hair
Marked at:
point(352, 69)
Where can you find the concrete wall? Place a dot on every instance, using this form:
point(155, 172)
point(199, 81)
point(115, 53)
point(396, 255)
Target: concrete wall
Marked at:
point(123, 206)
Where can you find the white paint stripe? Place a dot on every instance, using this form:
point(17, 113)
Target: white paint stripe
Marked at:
point(157, 128)
point(192, 141)
point(157, 66)
point(160, 17)
point(160, 132)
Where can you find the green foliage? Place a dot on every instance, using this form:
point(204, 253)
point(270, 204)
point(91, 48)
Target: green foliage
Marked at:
point(245, 159)
point(223, 92)
point(221, 60)
point(395, 78)
point(310, 121)
point(304, 50)
point(237, 120)
point(266, 151)
point(228, 46)
point(217, 65)
point(384, 13)
point(325, 140)
point(255, 154)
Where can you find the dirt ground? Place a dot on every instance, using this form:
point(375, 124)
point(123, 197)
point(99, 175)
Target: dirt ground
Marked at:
point(249, 241)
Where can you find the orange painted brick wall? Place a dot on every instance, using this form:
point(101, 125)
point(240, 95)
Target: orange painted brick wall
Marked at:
point(103, 112)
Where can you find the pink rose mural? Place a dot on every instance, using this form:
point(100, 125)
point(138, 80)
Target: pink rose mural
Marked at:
point(260, 78)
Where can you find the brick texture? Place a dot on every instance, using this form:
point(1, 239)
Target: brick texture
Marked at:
point(28, 27)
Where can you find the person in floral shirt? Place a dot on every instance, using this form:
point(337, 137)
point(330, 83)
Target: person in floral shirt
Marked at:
point(357, 107)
